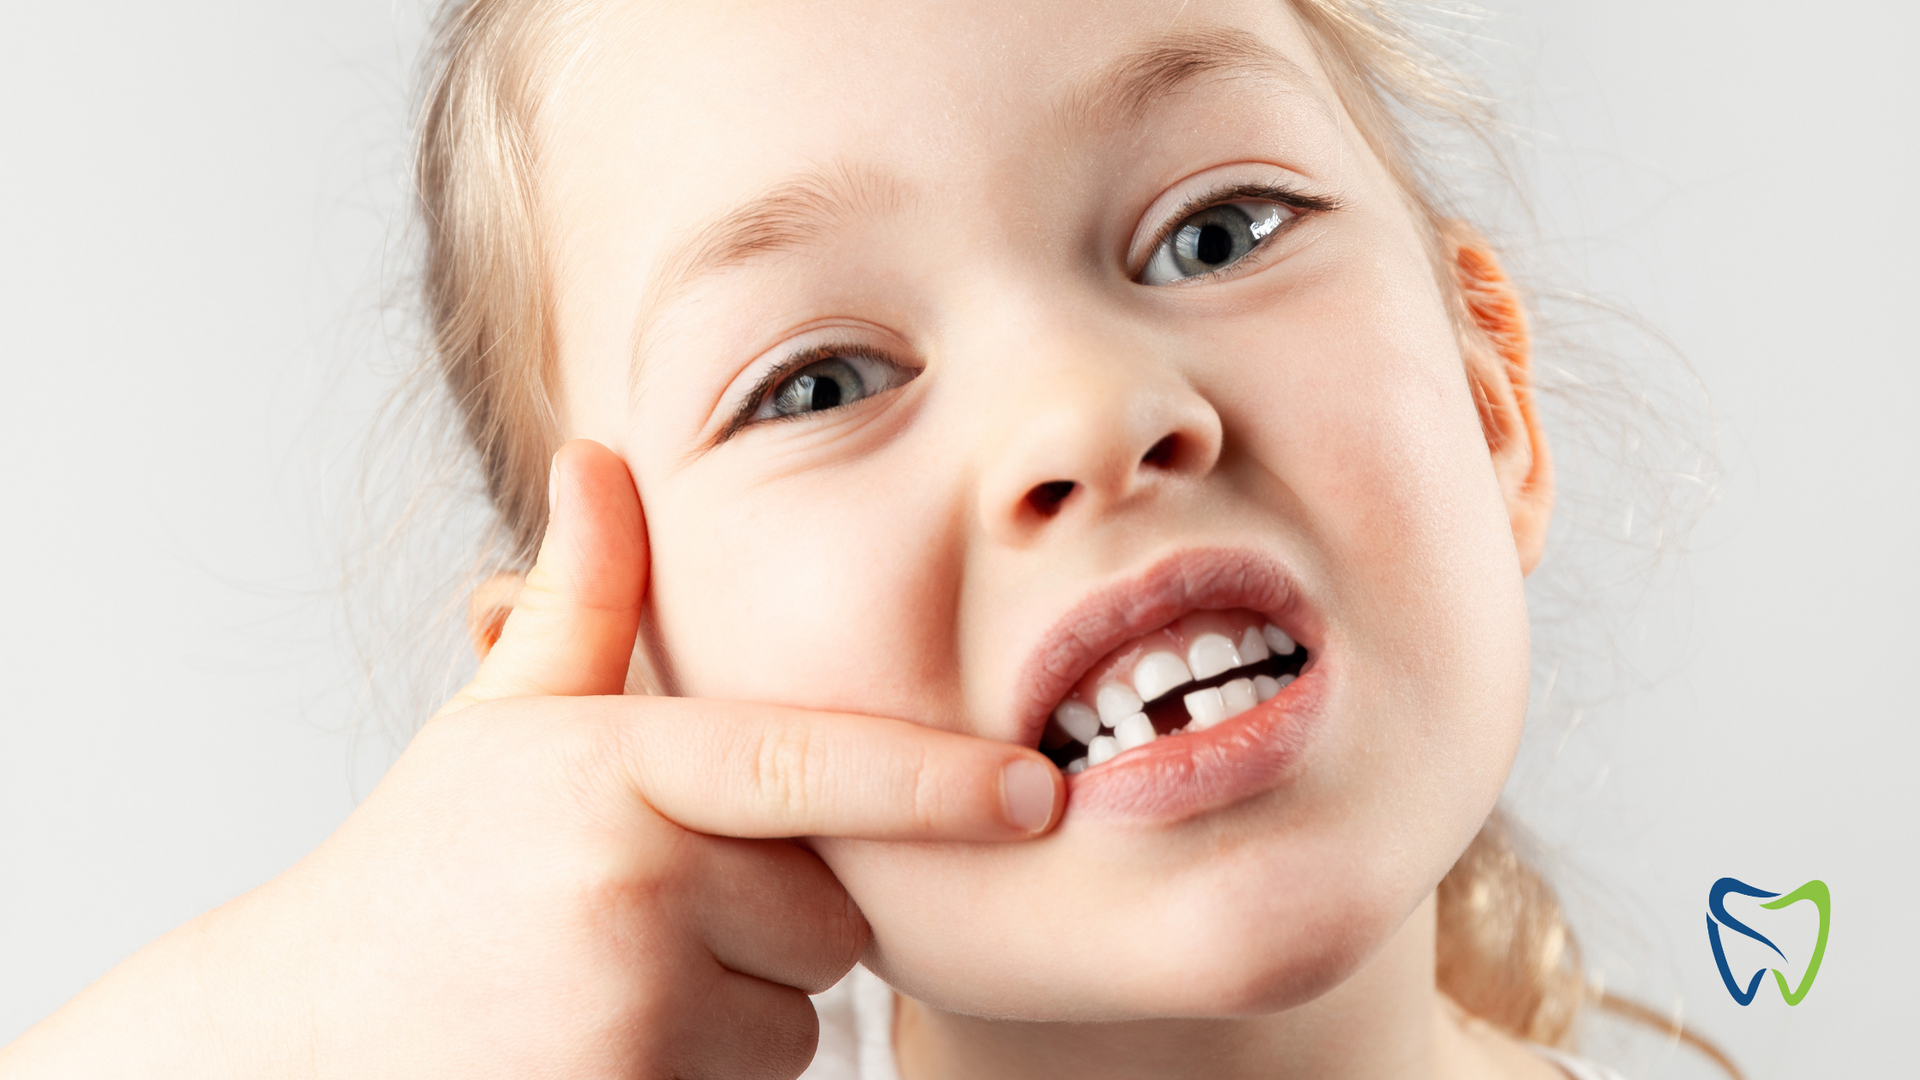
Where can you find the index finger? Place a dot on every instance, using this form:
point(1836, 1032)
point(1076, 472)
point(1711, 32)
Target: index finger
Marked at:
point(750, 770)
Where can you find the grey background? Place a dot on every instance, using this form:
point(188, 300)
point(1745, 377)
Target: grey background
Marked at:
point(198, 212)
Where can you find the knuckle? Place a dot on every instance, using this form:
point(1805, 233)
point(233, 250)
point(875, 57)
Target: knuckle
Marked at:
point(789, 772)
point(648, 873)
point(928, 795)
point(620, 889)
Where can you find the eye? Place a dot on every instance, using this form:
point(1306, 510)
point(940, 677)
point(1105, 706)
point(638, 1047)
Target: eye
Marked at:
point(1213, 239)
point(828, 383)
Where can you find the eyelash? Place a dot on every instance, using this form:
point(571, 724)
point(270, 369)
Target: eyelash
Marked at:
point(1230, 193)
point(743, 416)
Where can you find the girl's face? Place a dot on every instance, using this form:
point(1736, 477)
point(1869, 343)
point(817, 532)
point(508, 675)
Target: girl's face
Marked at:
point(965, 355)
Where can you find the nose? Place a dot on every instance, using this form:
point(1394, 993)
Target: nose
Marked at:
point(1086, 426)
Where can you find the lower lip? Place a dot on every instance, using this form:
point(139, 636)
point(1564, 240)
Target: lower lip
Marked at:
point(1180, 776)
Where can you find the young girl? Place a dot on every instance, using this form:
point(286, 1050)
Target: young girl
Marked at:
point(1057, 461)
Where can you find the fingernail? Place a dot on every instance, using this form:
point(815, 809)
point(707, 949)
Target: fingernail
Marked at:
point(1026, 789)
point(553, 484)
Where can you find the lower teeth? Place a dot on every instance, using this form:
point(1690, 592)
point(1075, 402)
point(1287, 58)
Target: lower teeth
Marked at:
point(1135, 730)
point(1100, 749)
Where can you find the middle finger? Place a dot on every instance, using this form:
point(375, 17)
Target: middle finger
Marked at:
point(771, 909)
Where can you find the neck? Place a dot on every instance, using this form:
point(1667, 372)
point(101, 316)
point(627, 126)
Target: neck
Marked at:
point(1385, 1021)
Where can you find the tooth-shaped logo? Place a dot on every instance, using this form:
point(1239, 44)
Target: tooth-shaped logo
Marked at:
point(1717, 917)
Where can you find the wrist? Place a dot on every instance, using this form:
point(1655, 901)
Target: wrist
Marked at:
point(214, 998)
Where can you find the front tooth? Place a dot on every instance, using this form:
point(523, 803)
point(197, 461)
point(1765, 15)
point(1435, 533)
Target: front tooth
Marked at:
point(1135, 730)
point(1076, 766)
point(1253, 647)
point(1101, 748)
point(1116, 702)
point(1265, 686)
point(1206, 707)
point(1211, 654)
point(1277, 640)
point(1077, 720)
point(1159, 672)
point(1239, 696)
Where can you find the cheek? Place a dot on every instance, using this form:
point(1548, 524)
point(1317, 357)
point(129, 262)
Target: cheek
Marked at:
point(1431, 582)
point(1375, 452)
point(1377, 446)
point(813, 598)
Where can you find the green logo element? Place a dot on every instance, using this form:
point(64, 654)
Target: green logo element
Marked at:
point(1717, 917)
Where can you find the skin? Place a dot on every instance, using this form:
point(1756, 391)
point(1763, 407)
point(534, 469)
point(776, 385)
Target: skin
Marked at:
point(885, 557)
point(554, 879)
point(559, 879)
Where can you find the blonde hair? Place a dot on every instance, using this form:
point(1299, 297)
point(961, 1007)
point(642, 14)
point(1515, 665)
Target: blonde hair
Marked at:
point(1505, 952)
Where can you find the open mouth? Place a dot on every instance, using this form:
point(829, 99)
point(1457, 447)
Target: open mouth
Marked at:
point(1200, 670)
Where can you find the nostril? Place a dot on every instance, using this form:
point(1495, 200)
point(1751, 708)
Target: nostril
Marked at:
point(1046, 498)
point(1160, 456)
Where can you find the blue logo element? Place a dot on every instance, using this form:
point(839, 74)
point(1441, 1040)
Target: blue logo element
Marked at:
point(1717, 917)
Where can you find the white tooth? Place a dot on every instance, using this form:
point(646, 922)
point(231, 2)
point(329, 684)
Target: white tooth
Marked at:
point(1076, 766)
point(1116, 702)
point(1253, 647)
point(1238, 695)
point(1206, 708)
point(1211, 654)
point(1277, 640)
point(1101, 748)
point(1077, 720)
point(1284, 681)
point(1157, 673)
point(1135, 730)
point(1265, 686)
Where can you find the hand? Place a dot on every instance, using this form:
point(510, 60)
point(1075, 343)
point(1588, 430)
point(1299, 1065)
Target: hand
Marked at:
point(556, 880)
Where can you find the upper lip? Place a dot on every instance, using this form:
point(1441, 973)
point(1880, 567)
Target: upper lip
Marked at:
point(1198, 579)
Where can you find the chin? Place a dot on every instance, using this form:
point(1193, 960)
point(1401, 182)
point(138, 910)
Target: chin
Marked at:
point(1229, 941)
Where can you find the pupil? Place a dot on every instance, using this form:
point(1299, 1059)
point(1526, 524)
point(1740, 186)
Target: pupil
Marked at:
point(826, 393)
point(1213, 245)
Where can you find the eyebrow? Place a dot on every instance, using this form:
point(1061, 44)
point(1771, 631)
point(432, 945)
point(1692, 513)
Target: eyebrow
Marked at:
point(788, 216)
point(799, 212)
point(1127, 90)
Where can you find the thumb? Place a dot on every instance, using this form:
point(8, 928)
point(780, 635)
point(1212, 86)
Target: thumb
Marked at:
point(571, 631)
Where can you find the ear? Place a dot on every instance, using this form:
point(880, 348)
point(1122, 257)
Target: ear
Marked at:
point(1498, 351)
point(488, 608)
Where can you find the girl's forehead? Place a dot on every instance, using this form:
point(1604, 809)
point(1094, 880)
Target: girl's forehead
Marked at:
point(667, 114)
point(974, 60)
